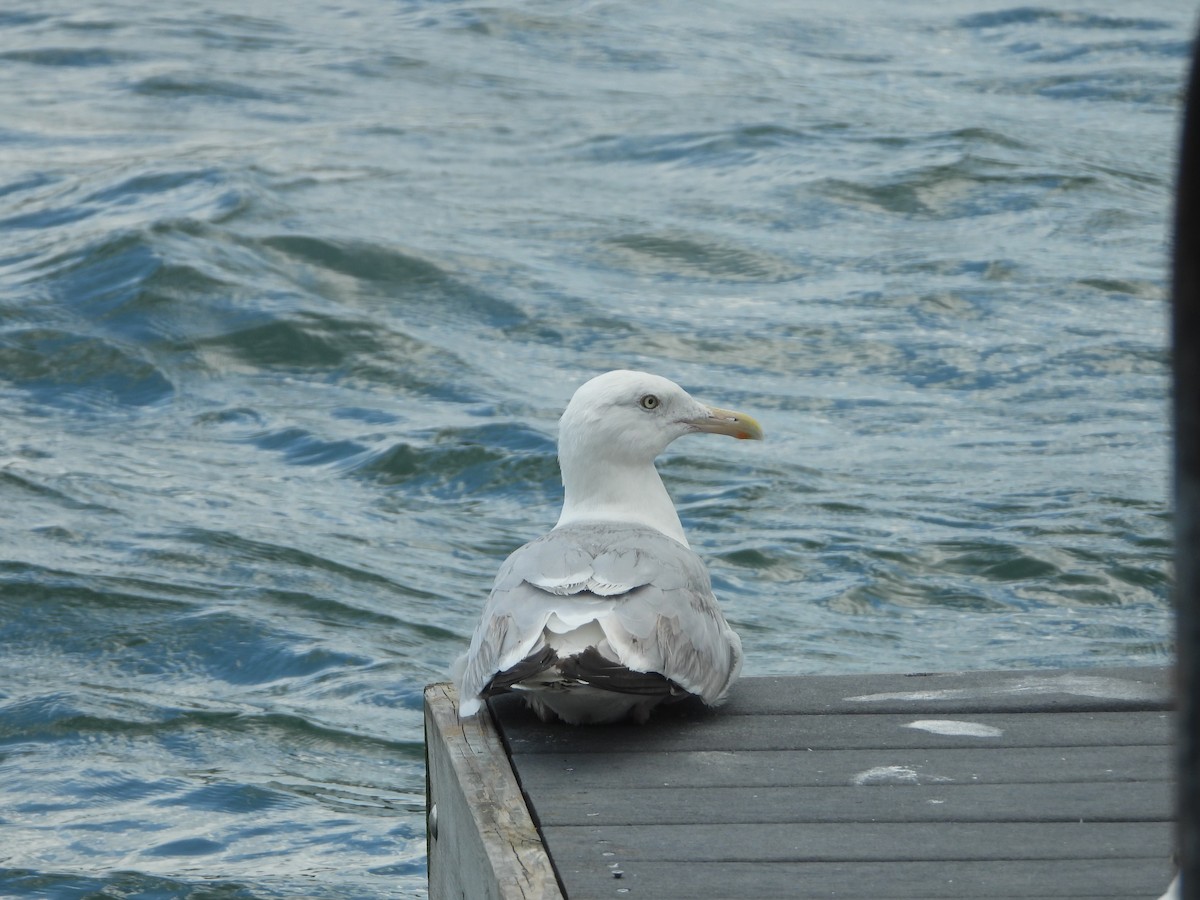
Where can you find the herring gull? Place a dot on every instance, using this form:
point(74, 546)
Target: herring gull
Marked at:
point(611, 612)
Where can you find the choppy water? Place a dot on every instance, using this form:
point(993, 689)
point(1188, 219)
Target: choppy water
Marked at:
point(292, 295)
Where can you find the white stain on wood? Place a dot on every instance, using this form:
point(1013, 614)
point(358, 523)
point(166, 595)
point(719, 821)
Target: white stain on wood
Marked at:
point(955, 728)
point(1032, 685)
point(897, 775)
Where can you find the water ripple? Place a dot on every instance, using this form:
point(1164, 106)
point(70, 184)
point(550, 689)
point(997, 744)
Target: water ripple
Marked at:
point(291, 301)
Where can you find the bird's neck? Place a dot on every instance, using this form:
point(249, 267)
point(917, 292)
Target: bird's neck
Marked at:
point(618, 492)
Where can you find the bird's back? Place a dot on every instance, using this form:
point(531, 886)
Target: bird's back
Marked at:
point(597, 622)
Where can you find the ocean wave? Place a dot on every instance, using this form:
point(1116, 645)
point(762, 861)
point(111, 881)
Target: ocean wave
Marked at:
point(60, 369)
point(291, 300)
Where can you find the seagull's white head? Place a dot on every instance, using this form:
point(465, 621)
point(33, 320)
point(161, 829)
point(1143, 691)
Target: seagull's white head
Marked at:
point(633, 416)
point(609, 435)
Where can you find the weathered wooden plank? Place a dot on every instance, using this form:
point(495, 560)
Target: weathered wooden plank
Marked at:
point(701, 768)
point(838, 732)
point(1095, 690)
point(481, 840)
point(993, 879)
point(624, 845)
point(1035, 690)
point(1048, 784)
point(1071, 802)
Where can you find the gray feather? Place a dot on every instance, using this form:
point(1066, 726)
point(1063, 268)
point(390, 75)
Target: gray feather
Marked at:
point(650, 595)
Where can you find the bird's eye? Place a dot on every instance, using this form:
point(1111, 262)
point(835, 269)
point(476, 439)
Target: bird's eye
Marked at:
point(649, 402)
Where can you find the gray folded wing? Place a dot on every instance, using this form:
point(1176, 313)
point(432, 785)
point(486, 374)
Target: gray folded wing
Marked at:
point(650, 595)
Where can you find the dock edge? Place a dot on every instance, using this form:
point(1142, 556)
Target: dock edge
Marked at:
point(481, 840)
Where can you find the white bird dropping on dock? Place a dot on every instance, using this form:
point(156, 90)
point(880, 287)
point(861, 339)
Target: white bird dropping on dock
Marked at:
point(610, 613)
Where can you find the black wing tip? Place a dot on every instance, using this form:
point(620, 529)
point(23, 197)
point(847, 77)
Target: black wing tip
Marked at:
point(593, 668)
point(589, 667)
point(502, 682)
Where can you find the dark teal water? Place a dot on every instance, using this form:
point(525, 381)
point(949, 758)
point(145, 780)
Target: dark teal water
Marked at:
point(292, 296)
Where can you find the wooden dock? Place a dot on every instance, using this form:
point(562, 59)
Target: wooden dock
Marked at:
point(1024, 784)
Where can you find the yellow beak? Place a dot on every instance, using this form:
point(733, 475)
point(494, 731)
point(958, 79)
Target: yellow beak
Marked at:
point(726, 421)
